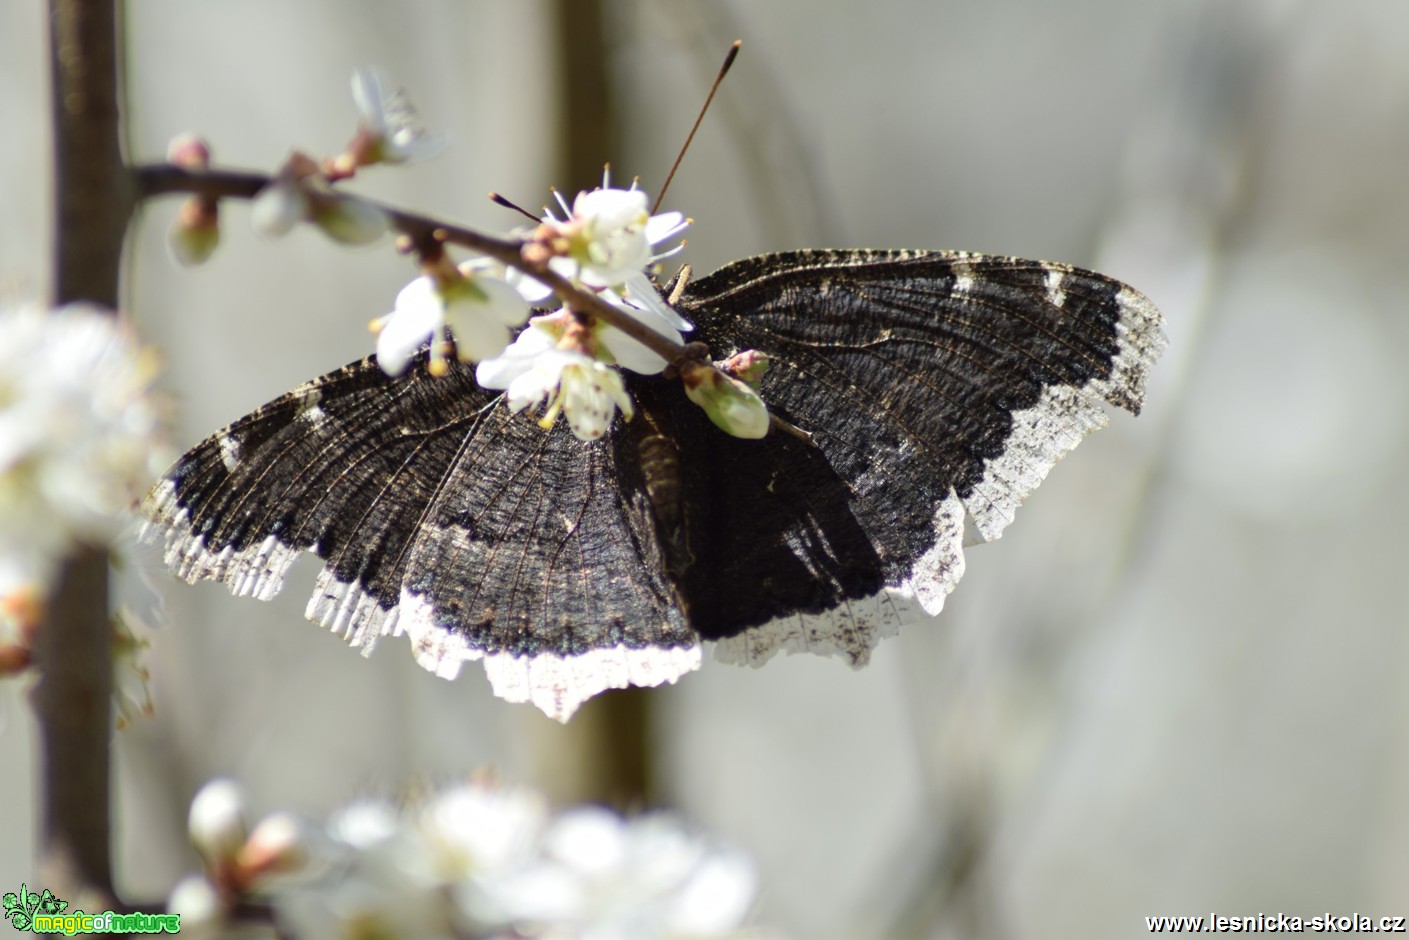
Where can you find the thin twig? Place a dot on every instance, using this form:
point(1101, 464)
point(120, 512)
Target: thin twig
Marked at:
point(426, 233)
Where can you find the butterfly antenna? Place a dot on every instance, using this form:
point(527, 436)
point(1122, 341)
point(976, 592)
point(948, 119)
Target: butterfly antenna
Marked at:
point(723, 70)
point(501, 200)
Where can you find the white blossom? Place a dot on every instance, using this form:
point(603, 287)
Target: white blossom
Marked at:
point(80, 435)
point(534, 369)
point(646, 307)
point(477, 309)
point(534, 292)
point(132, 693)
point(610, 236)
point(479, 829)
point(395, 134)
point(487, 862)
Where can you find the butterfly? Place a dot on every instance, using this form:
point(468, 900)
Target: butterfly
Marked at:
point(935, 389)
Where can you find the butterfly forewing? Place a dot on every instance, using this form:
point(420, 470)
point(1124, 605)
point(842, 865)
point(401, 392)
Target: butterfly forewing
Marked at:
point(978, 371)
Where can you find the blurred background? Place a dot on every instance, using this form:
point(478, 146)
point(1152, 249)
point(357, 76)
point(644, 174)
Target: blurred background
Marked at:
point(1175, 686)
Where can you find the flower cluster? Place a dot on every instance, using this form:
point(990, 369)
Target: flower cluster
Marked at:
point(474, 861)
point(604, 244)
point(568, 360)
point(80, 438)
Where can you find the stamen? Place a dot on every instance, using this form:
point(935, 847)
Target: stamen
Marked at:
point(439, 347)
point(550, 416)
point(669, 253)
point(567, 210)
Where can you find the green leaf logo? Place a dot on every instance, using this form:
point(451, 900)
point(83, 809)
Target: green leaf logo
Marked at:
point(20, 908)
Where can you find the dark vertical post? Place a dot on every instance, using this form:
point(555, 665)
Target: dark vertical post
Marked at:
point(604, 753)
point(73, 648)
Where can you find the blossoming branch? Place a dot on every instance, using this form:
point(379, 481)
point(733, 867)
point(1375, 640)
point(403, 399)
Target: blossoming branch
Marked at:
point(596, 259)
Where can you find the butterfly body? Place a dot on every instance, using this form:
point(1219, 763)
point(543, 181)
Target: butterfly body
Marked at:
point(934, 387)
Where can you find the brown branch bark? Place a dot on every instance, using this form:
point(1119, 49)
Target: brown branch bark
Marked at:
point(73, 699)
point(425, 232)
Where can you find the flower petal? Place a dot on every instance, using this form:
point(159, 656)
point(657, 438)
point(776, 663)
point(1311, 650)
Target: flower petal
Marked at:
point(478, 336)
point(629, 353)
point(278, 208)
point(419, 313)
point(642, 293)
point(539, 381)
point(663, 227)
point(500, 371)
point(611, 208)
point(502, 301)
point(369, 91)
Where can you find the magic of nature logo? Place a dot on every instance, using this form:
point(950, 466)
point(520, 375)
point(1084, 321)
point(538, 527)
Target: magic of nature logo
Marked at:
point(43, 912)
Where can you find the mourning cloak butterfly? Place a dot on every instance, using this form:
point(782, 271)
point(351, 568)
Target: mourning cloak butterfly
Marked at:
point(936, 386)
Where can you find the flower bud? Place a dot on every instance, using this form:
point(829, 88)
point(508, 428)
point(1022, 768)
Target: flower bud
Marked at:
point(279, 207)
point(217, 822)
point(287, 200)
point(732, 405)
point(276, 845)
point(198, 904)
point(349, 220)
point(748, 366)
point(193, 237)
point(188, 151)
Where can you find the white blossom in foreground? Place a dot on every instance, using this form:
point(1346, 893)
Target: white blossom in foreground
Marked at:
point(216, 821)
point(477, 309)
point(608, 236)
point(80, 436)
point(536, 369)
point(132, 694)
point(199, 905)
point(601, 876)
point(484, 862)
point(391, 132)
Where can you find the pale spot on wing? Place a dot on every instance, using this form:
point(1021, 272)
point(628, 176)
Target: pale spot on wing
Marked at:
point(229, 452)
point(1056, 296)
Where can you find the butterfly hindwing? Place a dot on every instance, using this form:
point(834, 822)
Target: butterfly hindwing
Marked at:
point(767, 531)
